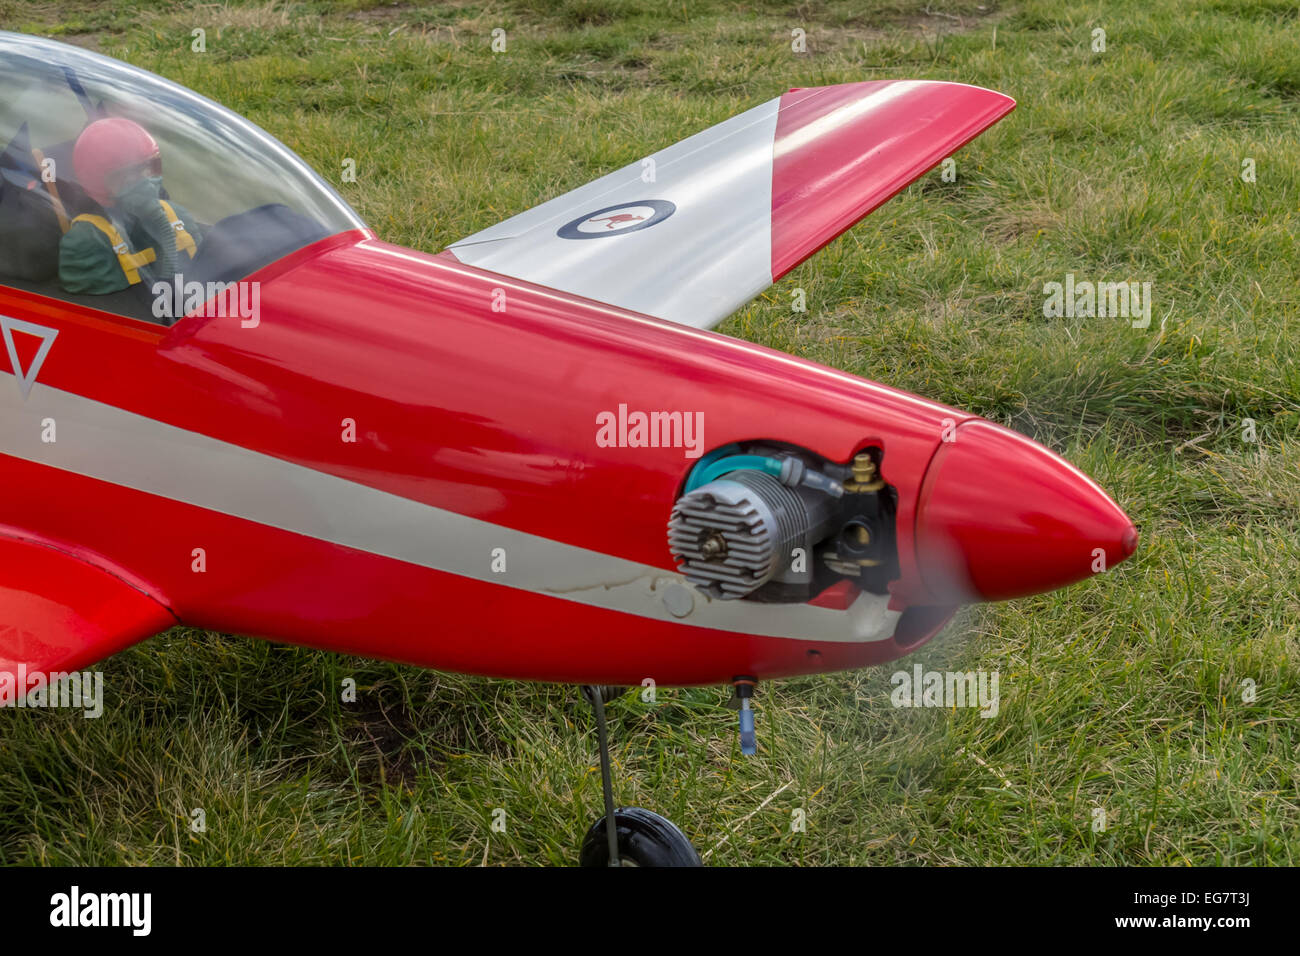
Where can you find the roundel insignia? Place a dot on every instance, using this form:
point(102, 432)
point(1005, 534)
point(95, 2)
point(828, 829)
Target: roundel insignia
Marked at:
point(618, 220)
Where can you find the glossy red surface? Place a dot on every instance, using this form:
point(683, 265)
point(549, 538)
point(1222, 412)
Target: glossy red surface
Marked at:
point(492, 415)
point(264, 582)
point(61, 613)
point(843, 150)
point(1002, 517)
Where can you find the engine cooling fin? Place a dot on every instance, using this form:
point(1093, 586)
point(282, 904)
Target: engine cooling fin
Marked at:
point(729, 537)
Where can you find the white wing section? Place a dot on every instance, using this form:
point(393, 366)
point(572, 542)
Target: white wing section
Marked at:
point(631, 243)
point(739, 205)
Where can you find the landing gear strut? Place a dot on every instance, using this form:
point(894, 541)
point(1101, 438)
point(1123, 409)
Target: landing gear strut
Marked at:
point(628, 836)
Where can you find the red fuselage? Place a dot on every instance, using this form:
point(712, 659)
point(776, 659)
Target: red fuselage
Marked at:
point(337, 475)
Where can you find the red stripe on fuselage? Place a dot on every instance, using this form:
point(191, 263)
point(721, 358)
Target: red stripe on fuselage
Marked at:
point(277, 584)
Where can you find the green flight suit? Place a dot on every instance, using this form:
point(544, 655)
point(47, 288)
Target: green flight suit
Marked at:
point(89, 266)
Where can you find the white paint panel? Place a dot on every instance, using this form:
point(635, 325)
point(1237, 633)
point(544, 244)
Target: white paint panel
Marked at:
point(108, 443)
point(697, 266)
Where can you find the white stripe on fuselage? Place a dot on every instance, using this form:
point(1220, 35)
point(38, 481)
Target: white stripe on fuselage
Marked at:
point(110, 444)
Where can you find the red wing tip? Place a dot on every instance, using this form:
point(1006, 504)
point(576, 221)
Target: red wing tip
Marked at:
point(1011, 103)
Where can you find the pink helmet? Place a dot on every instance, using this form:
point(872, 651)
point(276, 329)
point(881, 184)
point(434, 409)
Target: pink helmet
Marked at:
point(107, 146)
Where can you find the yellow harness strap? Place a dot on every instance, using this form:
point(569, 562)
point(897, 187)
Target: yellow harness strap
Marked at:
point(132, 261)
point(184, 241)
point(128, 260)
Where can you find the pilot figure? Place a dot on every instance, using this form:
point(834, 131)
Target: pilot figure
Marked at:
point(142, 237)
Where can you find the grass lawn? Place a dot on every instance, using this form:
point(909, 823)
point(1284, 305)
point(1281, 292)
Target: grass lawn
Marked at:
point(1164, 694)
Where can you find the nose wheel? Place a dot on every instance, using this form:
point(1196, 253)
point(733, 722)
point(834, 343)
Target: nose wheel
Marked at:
point(628, 836)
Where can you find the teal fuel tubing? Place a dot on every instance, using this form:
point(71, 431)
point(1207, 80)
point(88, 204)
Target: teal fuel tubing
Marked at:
point(789, 471)
point(706, 472)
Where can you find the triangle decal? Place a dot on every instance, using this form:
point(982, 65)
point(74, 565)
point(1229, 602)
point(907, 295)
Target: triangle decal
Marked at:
point(27, 377)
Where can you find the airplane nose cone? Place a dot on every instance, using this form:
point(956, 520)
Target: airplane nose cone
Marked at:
point(1000, 517)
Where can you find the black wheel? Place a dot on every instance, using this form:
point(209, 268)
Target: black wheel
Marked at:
point(644, 839)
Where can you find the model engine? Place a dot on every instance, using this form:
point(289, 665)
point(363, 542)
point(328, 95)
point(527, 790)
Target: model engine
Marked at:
point(775, 523)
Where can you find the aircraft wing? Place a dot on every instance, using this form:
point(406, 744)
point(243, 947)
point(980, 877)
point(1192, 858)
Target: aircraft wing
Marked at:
point(696, 230)
point(60, 613)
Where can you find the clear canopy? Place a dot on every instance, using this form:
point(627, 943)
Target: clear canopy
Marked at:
point(250, 199)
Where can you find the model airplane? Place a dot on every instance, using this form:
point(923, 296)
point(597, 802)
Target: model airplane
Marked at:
point(524, 457)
